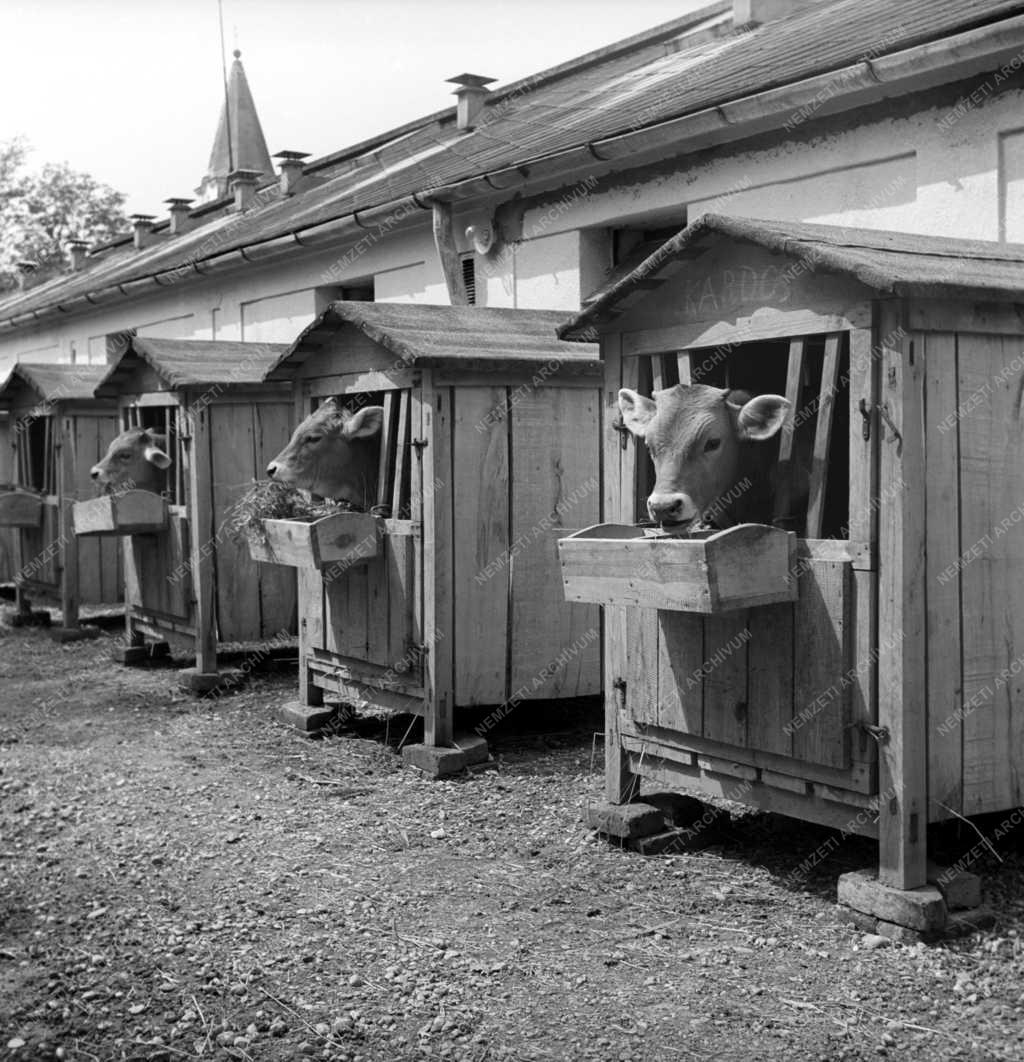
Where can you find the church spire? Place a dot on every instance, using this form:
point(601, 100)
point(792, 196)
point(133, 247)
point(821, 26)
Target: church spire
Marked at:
point(239, 143)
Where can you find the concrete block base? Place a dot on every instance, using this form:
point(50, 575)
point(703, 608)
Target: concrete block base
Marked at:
point(473, 747)
point(74, 634)
point(206, 683)
point(36, 617)
point(435, 762)
point(960, 888)
point(625, 822)
point(922, 909)
point(142, 655)
point(306, 718)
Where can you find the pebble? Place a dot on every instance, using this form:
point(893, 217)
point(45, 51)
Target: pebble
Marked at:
point(871, 941)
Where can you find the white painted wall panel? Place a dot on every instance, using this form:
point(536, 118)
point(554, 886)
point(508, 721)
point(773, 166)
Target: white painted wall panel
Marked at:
point(278, 319)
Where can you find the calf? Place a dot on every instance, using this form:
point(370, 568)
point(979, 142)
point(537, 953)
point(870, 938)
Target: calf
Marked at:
point(708, 446)
point(333, 453)
point(135, 460)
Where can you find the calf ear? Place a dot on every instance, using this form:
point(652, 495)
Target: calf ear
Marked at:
point(761, 417)
point(364, 424)
point(156, 457)
point(637, 411)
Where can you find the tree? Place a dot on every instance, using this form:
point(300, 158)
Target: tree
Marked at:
point(40, 211)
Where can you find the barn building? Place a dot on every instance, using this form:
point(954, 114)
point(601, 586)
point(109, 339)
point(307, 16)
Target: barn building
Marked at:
point(537, 193)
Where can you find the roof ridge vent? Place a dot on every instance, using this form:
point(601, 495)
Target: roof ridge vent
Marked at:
point(179, 209)
point(142, 230)
point(472, 93)
point(293, 169)
point(757, 12)
point(77, 250)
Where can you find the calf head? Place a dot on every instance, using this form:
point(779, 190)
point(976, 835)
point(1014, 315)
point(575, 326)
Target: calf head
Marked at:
point(698, 439)
point(136, 460)
point(333, 453)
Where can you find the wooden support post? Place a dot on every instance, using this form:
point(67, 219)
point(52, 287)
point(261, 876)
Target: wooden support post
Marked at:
point(201, 543)
point(438, 625)
point(794, 377)
point(68, 541)
point(451, 265)
point(863, 527)
point(619, 464)
point(311, 632)
point(902, 668)
point(822, 436)
point(401, 456)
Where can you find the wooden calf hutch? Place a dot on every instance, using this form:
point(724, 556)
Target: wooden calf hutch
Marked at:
point(189, 579)
point(56, 430)
point(885, 693)
point(489, 451)
point(8, 535)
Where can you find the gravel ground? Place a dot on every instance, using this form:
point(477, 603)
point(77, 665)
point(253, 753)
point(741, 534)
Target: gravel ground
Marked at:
point(184, 879)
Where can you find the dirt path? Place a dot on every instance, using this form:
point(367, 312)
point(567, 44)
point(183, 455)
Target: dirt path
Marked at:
point(179, 876)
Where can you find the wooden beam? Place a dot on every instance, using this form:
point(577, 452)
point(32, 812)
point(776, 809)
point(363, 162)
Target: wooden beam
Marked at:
point(200, 535)
point(902, 668)
point(65, 469)
point(794, 377)
point(448, 255)
point(438, 605)
point(823, 436)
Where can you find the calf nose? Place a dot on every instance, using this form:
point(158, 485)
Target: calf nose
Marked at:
point(95, 472)
point(671, 508)
point(271, 469)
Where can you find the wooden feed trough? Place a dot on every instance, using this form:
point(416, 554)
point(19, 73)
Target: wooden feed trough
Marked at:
point(888, 695)
point(489, 452)
point(57, 430)
point(190, 581)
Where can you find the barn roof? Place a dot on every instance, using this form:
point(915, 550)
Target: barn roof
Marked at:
point(892, 263)
point(472, 337)
point(53, 381)
point(697, 69)
point(191, 362)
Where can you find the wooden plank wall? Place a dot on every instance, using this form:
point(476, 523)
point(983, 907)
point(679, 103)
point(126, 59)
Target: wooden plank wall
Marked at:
point(991, 436)
point(555, 461)
point(942, 549)
point(100, 568)
point(7, 534)
point(254, 602)
point(480, 529)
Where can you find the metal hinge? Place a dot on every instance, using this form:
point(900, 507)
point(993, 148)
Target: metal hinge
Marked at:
point(879, 733)
point(624, 432)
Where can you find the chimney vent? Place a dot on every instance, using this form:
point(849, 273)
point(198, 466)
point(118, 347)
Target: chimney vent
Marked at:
point(757, 12)
point(179, 210)
point(242, 185)
point(77, 250)
point(292, 170)
point(25, 271)
point(472, 92)
point(142, 230)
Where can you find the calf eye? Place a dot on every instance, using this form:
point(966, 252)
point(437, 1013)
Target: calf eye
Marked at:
point(124, 456)
point(313, 438)
point(711, 445)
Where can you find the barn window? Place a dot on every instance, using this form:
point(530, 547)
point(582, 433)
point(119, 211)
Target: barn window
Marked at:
point(37, 453)
point(811, 489)
point(390, 494)
point(164, 420)
point(469, 278)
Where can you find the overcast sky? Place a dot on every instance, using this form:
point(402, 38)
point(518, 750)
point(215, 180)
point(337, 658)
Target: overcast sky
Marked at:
point(130, 90)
